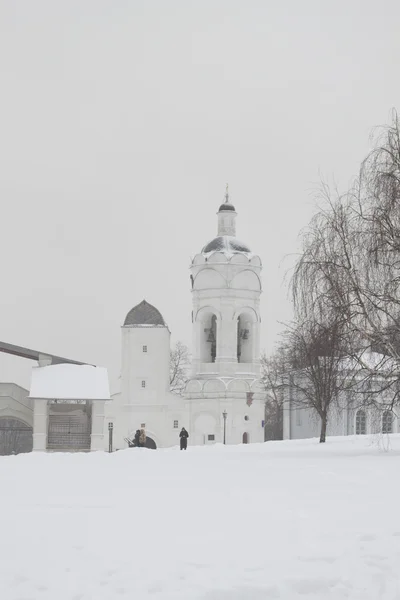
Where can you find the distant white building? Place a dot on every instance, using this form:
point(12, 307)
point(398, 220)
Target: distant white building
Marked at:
point(356, 412)
point(69, 406)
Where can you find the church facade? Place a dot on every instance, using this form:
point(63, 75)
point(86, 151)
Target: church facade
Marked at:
point(224, 399)
point(69, 407)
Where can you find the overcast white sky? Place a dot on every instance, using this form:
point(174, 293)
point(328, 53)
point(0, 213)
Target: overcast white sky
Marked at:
point(122, 120)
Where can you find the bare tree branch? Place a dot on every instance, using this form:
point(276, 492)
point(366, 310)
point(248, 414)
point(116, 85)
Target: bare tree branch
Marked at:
point(179, 368)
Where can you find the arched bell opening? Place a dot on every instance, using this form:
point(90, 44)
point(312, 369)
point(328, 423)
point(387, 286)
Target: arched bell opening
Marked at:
point(245, 338)
point(209, 338)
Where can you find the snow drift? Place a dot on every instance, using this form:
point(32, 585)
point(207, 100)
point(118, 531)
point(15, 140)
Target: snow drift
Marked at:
point(288, 520)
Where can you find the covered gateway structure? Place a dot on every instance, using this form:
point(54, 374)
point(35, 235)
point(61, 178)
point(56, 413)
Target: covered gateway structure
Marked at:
point(69, 407)
point(64, 409)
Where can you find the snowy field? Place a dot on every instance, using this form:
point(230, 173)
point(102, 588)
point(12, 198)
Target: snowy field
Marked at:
point(289, 520)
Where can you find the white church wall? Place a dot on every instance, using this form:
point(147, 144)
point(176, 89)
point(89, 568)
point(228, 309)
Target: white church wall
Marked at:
point(209, 278)
point(158, 418)
point(306, 423)
point(207, 423)
point(206, 426)
point(98, 438)
point(247, 420)
point(246, 280)
point(145, 364)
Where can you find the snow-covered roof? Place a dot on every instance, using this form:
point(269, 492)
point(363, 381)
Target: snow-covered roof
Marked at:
point(70, 382)
point(144, 314)
point(226, 244)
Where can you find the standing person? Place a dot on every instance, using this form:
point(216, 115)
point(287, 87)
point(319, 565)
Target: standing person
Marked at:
point(142, 438)
point(136, 439)
point(184, 438)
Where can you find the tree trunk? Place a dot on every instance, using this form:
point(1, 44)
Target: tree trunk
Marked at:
point(324, 423)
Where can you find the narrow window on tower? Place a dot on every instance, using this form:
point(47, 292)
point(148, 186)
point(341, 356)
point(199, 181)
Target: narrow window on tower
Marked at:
point(176, 424)
point(143, 383)
point(144, 348)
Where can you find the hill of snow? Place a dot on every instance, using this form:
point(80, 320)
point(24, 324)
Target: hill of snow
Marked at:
point(289, 520)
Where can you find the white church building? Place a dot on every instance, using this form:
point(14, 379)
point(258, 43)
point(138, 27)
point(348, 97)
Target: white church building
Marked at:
point(69, 406)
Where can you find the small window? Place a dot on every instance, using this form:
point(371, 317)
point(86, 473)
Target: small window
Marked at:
point(246, 418)
point(144, 348)
point(361, 422)
point(387, 422)
point(143, 383)
point(176, 424)
point(211, 437)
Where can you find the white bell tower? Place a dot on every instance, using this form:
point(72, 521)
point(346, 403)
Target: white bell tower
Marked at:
point(226, 289)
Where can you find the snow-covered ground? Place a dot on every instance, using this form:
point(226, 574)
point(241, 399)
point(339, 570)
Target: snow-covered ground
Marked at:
point(289, 520)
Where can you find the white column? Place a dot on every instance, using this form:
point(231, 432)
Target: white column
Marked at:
point(97, 440)
point(227, 340)
point(40, 415)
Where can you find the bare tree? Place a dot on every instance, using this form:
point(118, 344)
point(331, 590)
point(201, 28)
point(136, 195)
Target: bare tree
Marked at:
point(378, 195)
point(273, 369)
point(179, 368)
point(316, 350)
point(349, 266)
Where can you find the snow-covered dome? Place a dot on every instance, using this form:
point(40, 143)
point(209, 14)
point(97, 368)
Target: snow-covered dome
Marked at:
point(226, 206)
point(144, 314)
point(226, 243)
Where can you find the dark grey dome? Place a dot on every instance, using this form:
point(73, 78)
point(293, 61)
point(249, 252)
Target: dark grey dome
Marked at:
point(144, 314)
point(225, 243)
point(226, 206)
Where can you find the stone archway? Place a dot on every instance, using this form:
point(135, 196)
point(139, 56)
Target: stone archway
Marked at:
point(245, 438)
point(15, 436)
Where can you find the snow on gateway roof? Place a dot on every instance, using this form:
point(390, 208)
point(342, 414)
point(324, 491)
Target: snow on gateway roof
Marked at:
point(70, 382)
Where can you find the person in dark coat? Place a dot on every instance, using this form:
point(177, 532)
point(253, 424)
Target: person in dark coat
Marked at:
point(136, 439)
point(184, 438)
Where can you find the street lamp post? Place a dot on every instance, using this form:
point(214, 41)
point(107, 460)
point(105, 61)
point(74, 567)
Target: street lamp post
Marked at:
point(110, 436)
point(224, 414)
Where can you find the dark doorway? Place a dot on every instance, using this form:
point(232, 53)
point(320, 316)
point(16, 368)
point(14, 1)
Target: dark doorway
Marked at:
point(150, 443)
point(69, 427)
point(245, 438)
